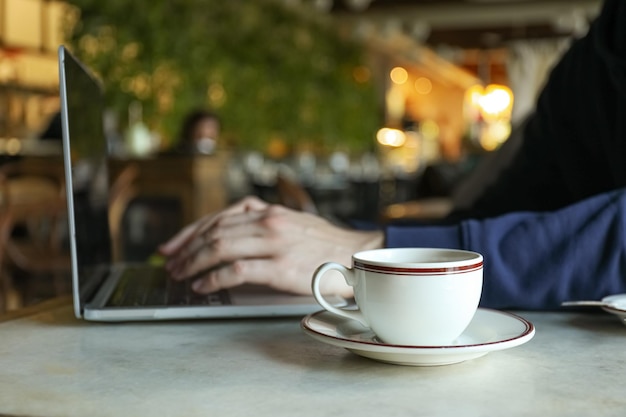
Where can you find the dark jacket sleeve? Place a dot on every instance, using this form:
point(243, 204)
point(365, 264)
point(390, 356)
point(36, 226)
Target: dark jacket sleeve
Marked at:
point(536, 260)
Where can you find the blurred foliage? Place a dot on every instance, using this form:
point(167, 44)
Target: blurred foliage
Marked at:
point(271, 74)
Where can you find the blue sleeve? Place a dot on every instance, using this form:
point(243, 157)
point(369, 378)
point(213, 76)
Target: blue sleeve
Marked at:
point(536, 260)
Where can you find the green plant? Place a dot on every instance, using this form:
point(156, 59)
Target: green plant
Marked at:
point(269, 72)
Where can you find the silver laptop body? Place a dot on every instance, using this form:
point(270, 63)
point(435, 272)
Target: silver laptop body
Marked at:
point(100, 287)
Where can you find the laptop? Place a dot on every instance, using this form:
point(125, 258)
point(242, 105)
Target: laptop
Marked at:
point(115, 291)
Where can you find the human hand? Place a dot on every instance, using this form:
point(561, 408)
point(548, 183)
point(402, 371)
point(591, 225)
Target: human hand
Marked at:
point(260, 243)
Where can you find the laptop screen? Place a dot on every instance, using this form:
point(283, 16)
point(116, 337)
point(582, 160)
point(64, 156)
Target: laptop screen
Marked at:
point(85, 159)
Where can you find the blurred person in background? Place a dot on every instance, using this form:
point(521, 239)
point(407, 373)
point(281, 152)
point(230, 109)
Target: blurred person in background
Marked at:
point(199, 133)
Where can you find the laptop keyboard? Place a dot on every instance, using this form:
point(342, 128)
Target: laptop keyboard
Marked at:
point(144, 286)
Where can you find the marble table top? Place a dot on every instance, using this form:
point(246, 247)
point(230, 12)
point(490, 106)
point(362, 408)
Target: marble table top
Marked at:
point(52, 364)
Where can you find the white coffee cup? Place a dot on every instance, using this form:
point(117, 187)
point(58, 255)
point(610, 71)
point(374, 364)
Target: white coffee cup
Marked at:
point(410, 296)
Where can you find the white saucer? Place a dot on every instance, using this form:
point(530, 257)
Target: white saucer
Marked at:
point(616, 304)
point(489, 331)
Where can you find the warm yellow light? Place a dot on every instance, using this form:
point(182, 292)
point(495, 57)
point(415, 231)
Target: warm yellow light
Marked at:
point(493, 102)
point(430, 129)
point(491, 108)
point(497, 100)
point(15, 13)
point(390, 137)
point(399, 75)
point(423, 85)
point(495, 134)
point(396, 102)
point(13, 146)
point(473, 94)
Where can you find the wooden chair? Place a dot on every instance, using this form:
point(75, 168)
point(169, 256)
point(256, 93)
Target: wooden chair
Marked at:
point(33, 225)
point(123, 191)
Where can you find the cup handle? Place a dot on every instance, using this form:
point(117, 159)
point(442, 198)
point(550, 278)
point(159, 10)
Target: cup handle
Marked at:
point(348, 275)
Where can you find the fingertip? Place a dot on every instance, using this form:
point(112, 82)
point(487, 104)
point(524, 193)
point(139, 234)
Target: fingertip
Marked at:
point(167, 248)
point(197, 285)
point(252, 203)
point(172, 266)
point(203, 286)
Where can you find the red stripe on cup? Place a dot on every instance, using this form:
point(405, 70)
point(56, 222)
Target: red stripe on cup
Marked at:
point(392, 270)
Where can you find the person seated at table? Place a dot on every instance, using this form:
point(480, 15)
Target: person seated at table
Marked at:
point(199, 133)
point(551, 228)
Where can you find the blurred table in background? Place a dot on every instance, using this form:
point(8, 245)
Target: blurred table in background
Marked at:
point(195, 181)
